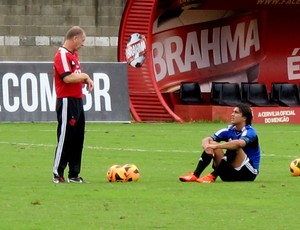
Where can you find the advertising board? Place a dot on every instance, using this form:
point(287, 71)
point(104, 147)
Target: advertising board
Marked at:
point(27, 92)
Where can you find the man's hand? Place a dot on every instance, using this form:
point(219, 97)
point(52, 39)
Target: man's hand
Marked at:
point(208, 144)
point(89, 84)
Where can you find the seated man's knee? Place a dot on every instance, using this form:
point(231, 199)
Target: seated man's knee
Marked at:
point(230, 155)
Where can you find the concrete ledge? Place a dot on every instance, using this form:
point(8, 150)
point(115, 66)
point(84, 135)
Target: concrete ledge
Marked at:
point(55, 40)
point(261, 115)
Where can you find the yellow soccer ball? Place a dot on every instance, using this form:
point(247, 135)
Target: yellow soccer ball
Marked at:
point(295, 167)
point(116, 173)
point(132, 172)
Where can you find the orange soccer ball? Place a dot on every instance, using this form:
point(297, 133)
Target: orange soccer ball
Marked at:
point(132, 172)
point(295, 167)
point(116, 173)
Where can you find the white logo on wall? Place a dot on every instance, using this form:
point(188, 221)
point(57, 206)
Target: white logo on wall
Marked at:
point(136, 50)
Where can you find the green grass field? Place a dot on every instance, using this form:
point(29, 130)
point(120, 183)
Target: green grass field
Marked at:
point(29, 199)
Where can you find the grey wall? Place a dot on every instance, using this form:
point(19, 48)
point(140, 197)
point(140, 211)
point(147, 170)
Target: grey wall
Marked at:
point(32, 30)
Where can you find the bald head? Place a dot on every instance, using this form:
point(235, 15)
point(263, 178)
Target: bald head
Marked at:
point(75, 38)
point(74, 31)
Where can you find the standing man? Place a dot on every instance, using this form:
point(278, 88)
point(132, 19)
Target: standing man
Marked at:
point(242, 158)
point(68, 80)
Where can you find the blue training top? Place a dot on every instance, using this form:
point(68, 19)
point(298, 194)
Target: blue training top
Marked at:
point(248, 134)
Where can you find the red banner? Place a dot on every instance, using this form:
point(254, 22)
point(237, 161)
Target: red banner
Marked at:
point(205, 52)
point(206, 41)
point(234, 41)
point(269, 115)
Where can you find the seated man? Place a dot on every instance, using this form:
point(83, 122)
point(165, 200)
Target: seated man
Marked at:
point(242, 157)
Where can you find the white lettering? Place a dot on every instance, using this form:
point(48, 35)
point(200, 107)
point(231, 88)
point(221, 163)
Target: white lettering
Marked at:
point(173, 49)
point(277, 113)
point(207, 47)
point(277, 120)
point(192, 52)
point(29, 92)
point(6, 88)
point(101, 91)
point(230, 45)
point(88, 99)
point(252, 39)
point(159, 64)
point(26, 79)
point(281, 116)
point(293, 66)
point(46, 94)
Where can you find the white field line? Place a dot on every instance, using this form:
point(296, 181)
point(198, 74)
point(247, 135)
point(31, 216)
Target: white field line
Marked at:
point(94, 147)
point(127, 149)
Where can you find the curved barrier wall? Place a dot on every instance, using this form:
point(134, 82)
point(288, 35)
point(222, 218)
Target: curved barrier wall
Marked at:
point(146, 101)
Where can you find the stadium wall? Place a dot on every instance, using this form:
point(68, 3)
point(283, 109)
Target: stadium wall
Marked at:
point(32, 30)
point(30, 33)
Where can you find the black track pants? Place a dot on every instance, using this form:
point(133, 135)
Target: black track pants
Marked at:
point(70, 136)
